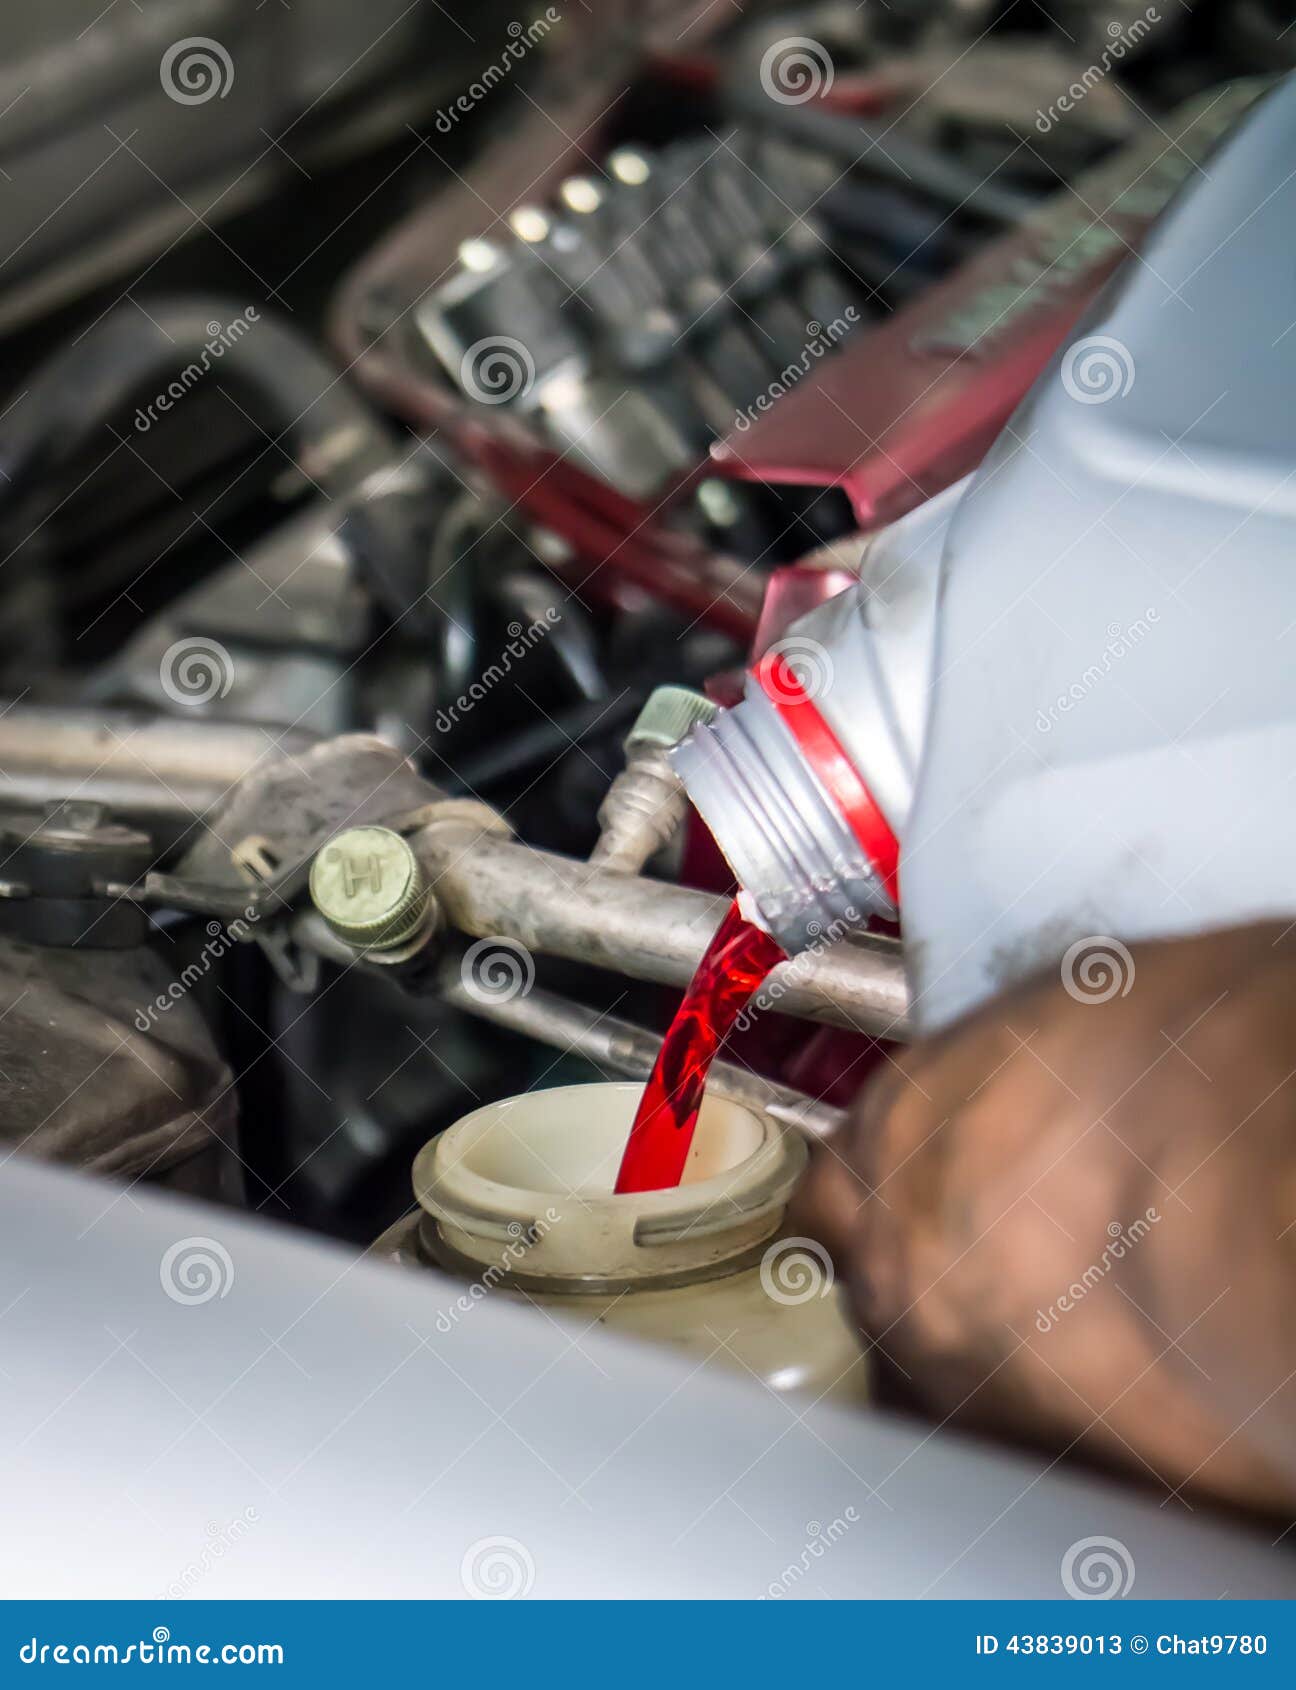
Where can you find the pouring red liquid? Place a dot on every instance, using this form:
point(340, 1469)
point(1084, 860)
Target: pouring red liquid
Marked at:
point(732, 967)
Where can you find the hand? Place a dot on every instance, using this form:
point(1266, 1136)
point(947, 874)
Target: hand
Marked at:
point(1074, 1221)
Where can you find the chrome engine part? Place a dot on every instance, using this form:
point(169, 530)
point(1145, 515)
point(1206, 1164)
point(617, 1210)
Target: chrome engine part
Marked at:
point(645, 309)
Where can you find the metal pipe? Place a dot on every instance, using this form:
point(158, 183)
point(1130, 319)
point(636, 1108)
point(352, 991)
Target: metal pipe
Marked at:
point(621, 1047)
point(488, 886)
point(641, 813)
point(160, 773)
point(164, 773)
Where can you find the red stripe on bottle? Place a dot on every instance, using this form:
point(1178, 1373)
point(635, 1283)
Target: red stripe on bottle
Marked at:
point(823, 751)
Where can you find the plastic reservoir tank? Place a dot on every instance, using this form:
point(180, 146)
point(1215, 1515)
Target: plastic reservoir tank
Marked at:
point(516, 1200)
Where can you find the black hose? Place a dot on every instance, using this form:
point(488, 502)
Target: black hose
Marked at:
point(881, 152)
point(295, 393)
point(545, 741)
point(542, 742)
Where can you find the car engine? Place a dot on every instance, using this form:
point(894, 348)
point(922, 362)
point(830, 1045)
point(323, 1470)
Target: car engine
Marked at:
point(417, 422)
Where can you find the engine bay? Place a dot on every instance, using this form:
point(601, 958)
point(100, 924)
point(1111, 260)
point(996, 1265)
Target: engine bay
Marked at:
point(390, 485)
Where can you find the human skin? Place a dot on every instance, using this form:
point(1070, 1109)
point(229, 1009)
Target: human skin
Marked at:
point(1073, 1222)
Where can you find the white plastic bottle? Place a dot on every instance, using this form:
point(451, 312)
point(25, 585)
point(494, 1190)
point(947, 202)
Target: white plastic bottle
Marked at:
point(1060, 707)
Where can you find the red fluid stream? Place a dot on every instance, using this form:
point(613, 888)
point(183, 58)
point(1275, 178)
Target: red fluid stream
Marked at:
point(732, 967)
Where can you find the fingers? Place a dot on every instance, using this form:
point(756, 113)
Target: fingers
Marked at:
point(983, 1202)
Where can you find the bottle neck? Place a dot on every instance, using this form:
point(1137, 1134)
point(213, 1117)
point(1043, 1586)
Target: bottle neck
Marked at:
point(791, 814)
